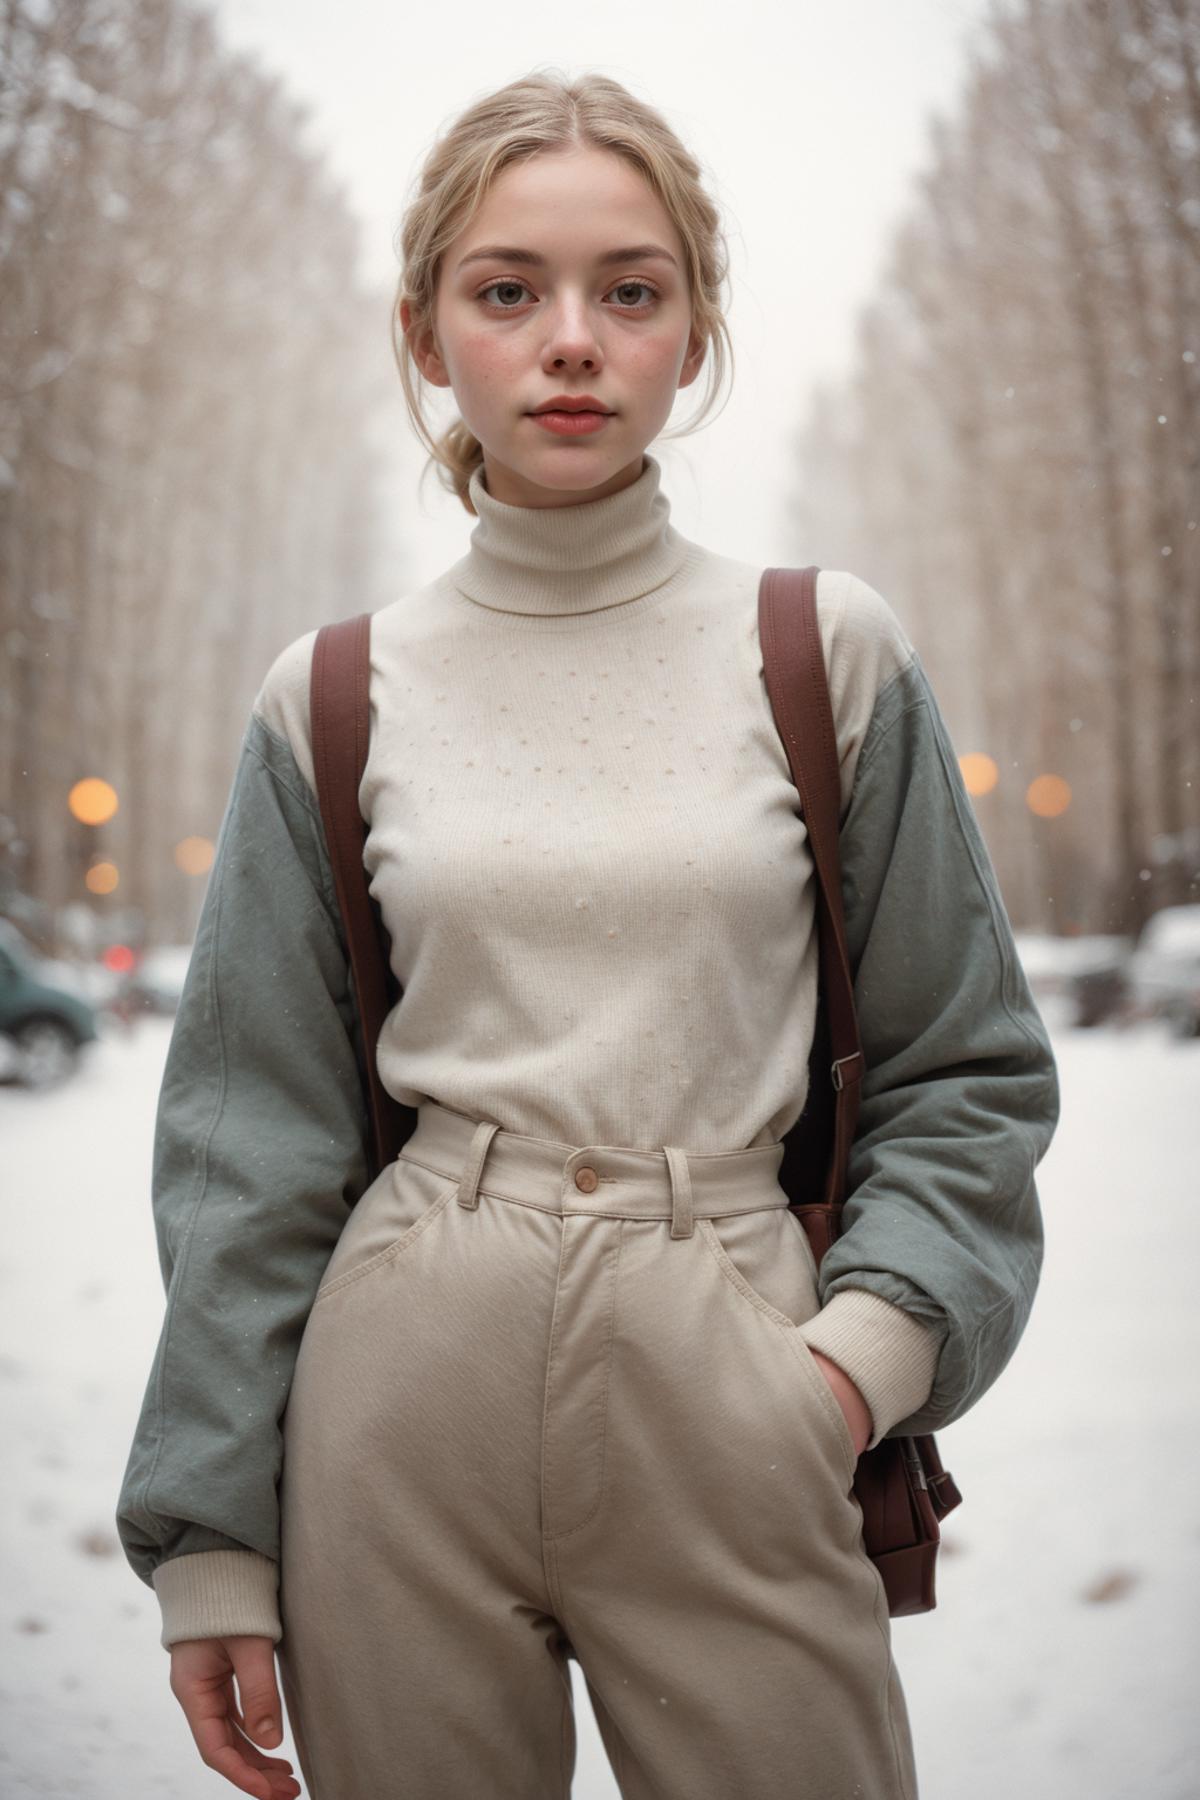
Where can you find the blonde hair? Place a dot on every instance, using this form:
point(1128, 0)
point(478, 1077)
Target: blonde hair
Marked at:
point(546, 111)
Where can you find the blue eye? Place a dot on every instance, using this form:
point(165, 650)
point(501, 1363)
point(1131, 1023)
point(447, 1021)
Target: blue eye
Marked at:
point(510, 281)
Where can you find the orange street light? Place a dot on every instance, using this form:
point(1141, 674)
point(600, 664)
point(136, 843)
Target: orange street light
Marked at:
point(194, 855)
point(92, 801)
point(101, 878)
point(1048, 796)
point(979, 772)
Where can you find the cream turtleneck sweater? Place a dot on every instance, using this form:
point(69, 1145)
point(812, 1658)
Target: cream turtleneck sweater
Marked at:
point(583, 838)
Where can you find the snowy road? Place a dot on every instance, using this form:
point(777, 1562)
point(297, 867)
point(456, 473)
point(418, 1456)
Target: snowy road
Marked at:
point(1064, 1646)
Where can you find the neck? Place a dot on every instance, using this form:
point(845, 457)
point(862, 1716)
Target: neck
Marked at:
point(570, 559)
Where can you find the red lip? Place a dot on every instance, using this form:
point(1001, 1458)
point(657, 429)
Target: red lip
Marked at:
point(573, 403)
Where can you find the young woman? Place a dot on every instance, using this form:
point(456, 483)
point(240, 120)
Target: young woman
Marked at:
point(565, 1381)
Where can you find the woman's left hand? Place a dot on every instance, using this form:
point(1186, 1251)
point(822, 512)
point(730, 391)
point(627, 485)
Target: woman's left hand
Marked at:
point(855, 1408)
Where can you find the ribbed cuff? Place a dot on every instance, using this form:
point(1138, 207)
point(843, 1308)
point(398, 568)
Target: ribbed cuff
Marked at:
point(218, 1593)
point(890, 1355)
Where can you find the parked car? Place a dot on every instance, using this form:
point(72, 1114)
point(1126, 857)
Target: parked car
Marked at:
point(1164, 971)
point(100, 987)
point(157, 982)
point(1086, 978)
point(44, 1026)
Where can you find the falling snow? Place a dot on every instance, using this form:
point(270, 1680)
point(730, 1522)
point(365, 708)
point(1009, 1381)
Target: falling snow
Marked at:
point(1057, 1661)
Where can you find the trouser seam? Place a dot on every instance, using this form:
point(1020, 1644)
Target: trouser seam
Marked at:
point(602, 1490)
point(568, 1713)
point(880, 1595)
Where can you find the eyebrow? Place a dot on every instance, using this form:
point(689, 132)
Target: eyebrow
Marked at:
point(508, 253)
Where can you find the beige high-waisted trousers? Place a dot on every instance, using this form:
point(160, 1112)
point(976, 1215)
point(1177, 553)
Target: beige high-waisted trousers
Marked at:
point(551, 1402)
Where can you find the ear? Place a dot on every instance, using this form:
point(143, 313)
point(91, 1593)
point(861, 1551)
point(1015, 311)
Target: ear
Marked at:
point(693, 360)
point(423, 345)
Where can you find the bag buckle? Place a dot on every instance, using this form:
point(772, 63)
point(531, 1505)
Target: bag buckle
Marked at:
point(835, 1071)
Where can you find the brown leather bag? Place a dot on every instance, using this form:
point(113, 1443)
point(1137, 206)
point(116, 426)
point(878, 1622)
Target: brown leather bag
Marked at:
point(900, 1485)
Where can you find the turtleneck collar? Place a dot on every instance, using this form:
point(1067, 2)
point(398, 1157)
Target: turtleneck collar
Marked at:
point(554, 560)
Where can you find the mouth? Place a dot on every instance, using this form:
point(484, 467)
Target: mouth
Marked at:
point(585, 404)
point(575, 421)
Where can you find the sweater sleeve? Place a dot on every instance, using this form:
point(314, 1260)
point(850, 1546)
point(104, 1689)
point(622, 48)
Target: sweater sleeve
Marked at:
point(960, 1096)
point(260, 1151)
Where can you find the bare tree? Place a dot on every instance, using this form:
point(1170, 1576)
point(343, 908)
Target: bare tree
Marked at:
point(190, 379)
point(1018, 448)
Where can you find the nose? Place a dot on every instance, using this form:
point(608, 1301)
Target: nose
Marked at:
point(572, 341)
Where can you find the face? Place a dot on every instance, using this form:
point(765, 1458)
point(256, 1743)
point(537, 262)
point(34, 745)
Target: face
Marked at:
point(512, 332)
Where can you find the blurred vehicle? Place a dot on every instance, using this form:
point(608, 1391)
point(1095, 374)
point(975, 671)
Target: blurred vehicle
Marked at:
point(1164, 971)
point(157, 982)
point(1086, 979)
point(44, 1024)
point(92, 982)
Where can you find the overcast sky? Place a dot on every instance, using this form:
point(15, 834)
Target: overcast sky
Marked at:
point(810, 120)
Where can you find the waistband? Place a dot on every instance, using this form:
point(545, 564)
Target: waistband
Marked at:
point(609, 1180)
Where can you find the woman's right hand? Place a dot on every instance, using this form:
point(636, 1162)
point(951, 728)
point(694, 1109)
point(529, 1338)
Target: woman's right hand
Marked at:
point(202, 1677)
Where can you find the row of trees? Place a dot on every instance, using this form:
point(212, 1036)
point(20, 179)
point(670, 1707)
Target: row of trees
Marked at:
point(193, 378)
point(190, 373)
point(1015, 459)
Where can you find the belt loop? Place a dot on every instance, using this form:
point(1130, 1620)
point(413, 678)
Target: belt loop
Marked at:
point(468, 1181)
point(681, 1190)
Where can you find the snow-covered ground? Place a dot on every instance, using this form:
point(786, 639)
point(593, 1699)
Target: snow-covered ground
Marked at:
point(1059, 1661)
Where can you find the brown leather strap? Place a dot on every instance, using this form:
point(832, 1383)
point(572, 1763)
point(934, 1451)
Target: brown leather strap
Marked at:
point(794, 671)
point(798, 689)
point(900, 1485)
point(340, 714)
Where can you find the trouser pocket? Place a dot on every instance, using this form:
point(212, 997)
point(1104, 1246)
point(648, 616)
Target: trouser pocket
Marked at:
point(400, 1204)
point(767, 1259)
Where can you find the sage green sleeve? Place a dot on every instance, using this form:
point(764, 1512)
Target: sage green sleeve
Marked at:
point(960, 1096)
point(260, 1151)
